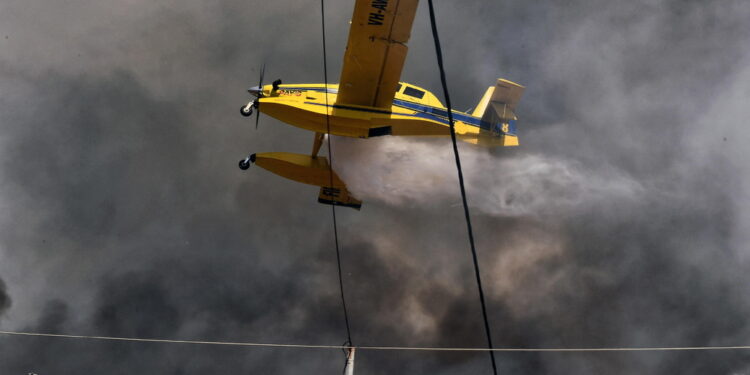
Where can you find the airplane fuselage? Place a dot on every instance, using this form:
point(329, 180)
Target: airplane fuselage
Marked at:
point(414, 112)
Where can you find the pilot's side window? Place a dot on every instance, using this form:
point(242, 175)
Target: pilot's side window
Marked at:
point(398, 88)
point(414, 92)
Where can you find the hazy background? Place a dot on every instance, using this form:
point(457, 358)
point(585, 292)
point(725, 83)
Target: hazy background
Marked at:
point(623, 219)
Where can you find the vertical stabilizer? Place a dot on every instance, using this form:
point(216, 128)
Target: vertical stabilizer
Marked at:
point(479, 109)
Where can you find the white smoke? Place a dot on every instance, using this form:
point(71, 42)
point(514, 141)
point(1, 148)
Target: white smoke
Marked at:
point(418, 172)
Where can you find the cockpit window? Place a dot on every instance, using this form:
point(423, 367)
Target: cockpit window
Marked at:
point(398, 88)
point(413, 92)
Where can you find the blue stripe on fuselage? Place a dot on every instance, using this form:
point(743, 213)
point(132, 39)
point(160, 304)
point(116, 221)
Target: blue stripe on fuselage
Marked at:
point(423, 111)
point(436, 112)
point(440, 113)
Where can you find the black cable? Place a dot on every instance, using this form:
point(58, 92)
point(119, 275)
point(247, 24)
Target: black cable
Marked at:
point(330, 166)
point(461, 183)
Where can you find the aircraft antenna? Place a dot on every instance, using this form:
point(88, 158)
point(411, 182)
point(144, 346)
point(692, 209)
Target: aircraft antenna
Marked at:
point(348, 342)
point(439, 53)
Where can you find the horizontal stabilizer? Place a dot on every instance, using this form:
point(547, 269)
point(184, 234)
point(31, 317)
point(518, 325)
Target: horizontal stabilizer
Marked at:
point(508, 93)
point(502, 104)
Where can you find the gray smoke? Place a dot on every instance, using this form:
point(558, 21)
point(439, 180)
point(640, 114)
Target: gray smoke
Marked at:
point(5, 300)
point(621, 220)
point(408, 172)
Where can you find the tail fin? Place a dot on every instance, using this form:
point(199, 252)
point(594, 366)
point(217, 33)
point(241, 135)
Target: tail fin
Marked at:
point(497, 110)
point(479, 109)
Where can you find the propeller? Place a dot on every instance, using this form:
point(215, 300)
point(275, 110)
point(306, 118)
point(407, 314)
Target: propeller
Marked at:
point(247, 110)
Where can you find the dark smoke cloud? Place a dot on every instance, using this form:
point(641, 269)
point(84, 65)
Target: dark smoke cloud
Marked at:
point(5, 300)
point(621, 220)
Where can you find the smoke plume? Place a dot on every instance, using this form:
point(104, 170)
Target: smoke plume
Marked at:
point(5, 301)
point(622, 219)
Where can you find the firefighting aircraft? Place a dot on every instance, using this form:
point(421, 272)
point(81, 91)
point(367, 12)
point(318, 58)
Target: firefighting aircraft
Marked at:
point(370, 101)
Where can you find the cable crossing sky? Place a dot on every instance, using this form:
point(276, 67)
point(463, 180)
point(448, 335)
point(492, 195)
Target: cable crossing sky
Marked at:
point(394, 348)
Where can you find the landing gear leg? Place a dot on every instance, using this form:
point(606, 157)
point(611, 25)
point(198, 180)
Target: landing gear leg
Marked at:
point(245, 163)
point(247, 110)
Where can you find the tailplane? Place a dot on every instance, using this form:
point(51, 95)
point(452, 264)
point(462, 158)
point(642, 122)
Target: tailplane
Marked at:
point(497, 111)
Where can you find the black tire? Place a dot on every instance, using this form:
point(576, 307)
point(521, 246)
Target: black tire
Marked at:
point(244, 164)
point(246, 113)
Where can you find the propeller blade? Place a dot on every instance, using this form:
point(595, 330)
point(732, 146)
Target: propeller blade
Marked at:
point(257, 117)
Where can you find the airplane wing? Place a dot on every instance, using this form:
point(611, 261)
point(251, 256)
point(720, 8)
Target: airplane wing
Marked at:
point(375, 52)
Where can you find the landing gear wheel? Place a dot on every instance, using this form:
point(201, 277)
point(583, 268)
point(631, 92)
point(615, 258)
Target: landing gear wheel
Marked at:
point(244, 164)
point(246, 111)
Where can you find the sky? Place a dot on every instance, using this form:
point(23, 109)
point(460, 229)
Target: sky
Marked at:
point(622, 219)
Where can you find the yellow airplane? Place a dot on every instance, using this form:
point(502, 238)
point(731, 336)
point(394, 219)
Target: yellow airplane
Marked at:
point(370, 101)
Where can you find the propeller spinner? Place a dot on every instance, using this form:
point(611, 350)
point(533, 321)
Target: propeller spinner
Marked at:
point(247, 110)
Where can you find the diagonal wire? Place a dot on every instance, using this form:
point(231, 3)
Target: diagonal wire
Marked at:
point(439, 53)
point(330, 174)
point(389, 348)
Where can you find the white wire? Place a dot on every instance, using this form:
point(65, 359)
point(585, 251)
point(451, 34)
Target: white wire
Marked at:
point(309, 346)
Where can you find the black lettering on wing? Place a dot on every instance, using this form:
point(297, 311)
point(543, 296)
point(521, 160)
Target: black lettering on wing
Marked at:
point(375, 19)
point(379, 4)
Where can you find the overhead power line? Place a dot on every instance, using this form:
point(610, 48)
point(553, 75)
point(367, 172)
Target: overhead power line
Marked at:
point(394, 348)
point(439, 54)
point(330, 173)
